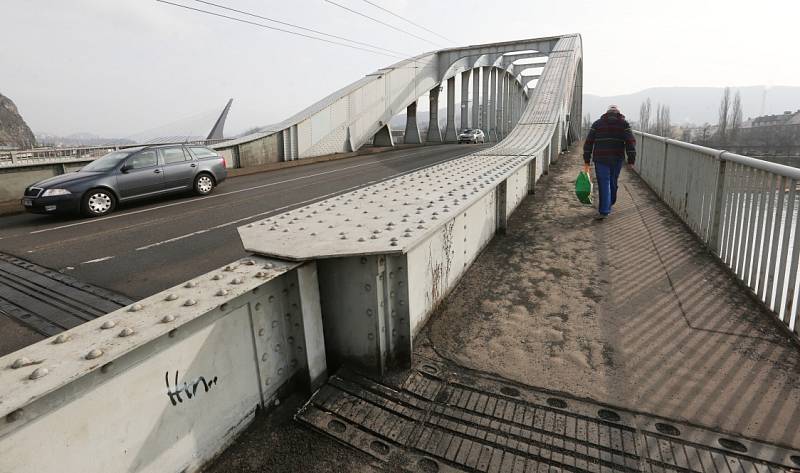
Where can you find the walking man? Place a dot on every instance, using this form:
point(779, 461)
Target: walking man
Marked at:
point(608, 141)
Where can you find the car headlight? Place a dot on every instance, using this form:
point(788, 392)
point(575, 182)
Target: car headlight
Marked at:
point(55, 192)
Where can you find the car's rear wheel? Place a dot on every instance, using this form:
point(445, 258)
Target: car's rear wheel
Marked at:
point(203, 184)
point(98, 202)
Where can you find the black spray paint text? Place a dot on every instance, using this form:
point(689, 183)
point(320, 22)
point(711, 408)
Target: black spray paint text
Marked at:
point(189, 389)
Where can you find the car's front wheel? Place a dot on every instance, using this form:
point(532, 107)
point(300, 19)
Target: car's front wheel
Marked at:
point(203, 184)
point(98, 202)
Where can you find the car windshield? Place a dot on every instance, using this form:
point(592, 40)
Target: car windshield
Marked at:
point(107, 162)
point(466, 130)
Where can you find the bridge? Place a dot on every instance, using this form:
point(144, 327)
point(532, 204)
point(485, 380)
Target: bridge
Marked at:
point(428, 326)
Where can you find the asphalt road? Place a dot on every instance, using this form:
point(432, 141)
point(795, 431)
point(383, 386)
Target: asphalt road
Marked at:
point(145, 248)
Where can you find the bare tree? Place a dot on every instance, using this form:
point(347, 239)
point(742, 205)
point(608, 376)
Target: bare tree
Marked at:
point(644, 116)
point(587, 122)
point(705, 133)
point(663, 127)
point(735, 117)
point(724, 111)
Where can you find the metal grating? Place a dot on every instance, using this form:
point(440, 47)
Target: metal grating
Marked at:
point(443, 420)
point(50, 302)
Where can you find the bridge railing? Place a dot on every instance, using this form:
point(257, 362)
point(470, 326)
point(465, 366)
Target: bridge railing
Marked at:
point(744, 209)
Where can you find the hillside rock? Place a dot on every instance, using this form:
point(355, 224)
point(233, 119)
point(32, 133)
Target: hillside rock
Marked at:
point(14, 132)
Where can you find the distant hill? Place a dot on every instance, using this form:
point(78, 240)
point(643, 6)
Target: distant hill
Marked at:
point(697, 105)
point(14, 132)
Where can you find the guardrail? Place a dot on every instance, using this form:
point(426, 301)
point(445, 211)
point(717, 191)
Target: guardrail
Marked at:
point(744, 209)
point(43, 156)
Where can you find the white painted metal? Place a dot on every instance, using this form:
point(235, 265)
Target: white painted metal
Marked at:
point(476, 98)
point(379, 96)
point(428, 225)
point(165, 384)
point(745, 209)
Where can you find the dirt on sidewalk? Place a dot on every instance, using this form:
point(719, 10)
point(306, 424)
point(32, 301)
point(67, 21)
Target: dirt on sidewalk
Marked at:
point(631, 311)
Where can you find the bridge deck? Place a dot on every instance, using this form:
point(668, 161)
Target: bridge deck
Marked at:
point(631, 313)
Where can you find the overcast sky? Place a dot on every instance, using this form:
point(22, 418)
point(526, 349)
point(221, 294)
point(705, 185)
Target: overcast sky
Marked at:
point(120, 67)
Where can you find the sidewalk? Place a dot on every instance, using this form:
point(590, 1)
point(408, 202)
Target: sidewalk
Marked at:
point(631, 312)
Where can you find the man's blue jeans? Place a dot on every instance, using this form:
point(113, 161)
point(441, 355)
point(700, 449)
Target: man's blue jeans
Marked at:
point(607, 176)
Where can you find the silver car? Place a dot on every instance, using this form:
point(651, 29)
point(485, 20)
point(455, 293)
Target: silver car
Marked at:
point(471, 135)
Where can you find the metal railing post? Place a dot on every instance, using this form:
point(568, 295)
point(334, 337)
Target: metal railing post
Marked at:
point(502, 216)
point(664, 171)
point(715, 232)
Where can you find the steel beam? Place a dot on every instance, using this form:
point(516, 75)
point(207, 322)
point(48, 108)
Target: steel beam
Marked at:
point(411, 135)
point(485, 100)
point(450, 135)
point(434, 134)
point(464, 100)
point(383, 137)
point(476, 98)
point(492, 136)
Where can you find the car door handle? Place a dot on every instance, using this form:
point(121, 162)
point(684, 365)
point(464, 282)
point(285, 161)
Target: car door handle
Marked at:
point(193, 165)
point(157, 171)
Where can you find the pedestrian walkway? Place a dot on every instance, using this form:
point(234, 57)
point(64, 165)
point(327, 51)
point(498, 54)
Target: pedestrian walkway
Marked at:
point(627, 326)
point(631, 311)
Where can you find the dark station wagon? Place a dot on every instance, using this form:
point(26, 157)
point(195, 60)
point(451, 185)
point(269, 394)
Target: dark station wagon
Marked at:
point(126, 175)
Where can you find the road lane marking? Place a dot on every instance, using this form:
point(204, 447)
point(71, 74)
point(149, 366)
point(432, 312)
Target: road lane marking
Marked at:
point(150, 209)
point(98, 260)
point(279, 209)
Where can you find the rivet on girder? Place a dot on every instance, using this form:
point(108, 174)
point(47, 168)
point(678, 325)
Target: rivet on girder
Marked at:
point(237, 281)
point(136, 308)
point(39, 373)
point(278, 347)
point(20, 362)
point(171, 297)
point(230, 268)
point(95, 353)
point(190, 284)
point(108, 324)
point(215, 277)
point(14, 416)
point(269, 266)
point(126, 332)
point(222, 292)
point(167, 318)
point(189, 302)
point(63, 338)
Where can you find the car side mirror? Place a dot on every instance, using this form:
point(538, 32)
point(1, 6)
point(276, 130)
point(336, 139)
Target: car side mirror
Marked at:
point(125, 168)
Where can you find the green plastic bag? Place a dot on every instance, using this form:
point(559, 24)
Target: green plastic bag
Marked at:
point(583, 188)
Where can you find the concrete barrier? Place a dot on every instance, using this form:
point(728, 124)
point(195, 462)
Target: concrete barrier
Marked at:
point(165, 384)
point(16, 179)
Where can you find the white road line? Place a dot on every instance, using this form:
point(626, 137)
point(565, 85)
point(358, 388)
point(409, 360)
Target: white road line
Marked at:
point(98, 260)
point(214, 196)
point(275, 211)
point(240, 220)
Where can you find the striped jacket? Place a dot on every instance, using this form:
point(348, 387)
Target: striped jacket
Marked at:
point(609, 139)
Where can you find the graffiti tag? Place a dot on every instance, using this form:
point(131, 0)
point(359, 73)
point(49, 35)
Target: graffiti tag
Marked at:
point(189, 389)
